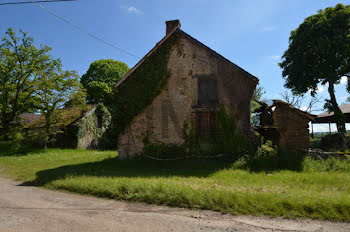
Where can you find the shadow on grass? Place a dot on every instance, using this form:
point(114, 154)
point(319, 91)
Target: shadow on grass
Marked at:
point(292, 161)
point(21, 152)
point(113, 167)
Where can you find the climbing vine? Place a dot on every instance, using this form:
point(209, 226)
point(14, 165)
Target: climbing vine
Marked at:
point(90, 123)
point(227, 139)
point(142, 86)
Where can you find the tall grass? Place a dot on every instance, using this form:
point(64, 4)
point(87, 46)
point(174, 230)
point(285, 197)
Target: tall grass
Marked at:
point(319, 189)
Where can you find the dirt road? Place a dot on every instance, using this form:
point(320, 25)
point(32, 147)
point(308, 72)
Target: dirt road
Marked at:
point(27, 209)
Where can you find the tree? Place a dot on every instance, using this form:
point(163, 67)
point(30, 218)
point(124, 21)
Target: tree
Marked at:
point(255, 104)
point(21, 67)
point(100, 78)
point(56, 88)
point(77, 99)
point(297, 100)
point(319, 53)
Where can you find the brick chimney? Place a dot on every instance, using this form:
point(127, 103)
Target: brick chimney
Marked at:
point(171, 25)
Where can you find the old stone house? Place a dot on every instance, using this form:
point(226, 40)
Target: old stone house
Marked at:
point(75, 127)
point(200, 81)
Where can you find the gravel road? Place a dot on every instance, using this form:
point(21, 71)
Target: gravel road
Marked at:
point(29, 209)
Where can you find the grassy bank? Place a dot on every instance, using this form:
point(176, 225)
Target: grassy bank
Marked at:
point(321, 190)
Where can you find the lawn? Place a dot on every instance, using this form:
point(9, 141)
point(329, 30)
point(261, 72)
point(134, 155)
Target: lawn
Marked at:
point(320, 190)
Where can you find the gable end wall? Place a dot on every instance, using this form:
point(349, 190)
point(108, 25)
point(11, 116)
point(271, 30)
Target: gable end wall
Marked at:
point(164, 119)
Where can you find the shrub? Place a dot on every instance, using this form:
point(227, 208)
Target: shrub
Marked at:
point(15, 139)
point(333, 142)
point(265, 158)
point(162, 150)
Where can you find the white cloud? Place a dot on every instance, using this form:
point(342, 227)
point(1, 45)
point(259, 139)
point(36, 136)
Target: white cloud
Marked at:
point(274, 57)
point(343, 80)
point(303, 108)
point(320, 88)
point(267, 28)
point(131, 9)
point(344, 97)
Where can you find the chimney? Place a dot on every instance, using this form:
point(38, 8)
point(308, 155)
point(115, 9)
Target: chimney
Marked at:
point(171, 25)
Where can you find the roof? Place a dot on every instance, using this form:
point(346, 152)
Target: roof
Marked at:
point(328, 117)
point(177, 30)
point(28, 118)
point(300, 112)
point(345, 108)
point(65, 117)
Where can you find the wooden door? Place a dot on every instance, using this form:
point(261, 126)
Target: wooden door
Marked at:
point(204, 123)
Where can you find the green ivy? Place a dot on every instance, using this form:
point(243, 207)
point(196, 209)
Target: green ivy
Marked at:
point(89, 124)
point(227, 139)
point(140, 89)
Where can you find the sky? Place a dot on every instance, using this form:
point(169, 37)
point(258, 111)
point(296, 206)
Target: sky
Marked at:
point(253, 34)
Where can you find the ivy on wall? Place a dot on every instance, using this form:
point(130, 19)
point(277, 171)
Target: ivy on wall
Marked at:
point(140, 89)
point(90, 123)
point(227, 139)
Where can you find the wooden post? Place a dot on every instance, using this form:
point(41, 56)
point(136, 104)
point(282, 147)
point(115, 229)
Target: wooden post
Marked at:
point(329, 125)
point(312, 130)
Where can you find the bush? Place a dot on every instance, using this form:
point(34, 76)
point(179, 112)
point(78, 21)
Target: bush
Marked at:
point(332, 142)
point(265, 158)
point(162, 150)
point(15, 139)
point(268, 158)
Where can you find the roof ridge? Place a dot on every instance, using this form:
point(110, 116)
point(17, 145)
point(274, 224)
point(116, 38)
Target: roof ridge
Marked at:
point(163, 40)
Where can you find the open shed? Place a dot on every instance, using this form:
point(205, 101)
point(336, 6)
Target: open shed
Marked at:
point(328, 116)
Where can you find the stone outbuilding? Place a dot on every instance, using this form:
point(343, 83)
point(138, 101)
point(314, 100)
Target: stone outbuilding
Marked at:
point(74, 127)
point(200, 81)
point(288, 128)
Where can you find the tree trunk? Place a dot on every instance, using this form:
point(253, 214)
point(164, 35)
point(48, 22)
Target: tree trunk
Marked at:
point(338, 114)
point(5, 126)
point(6, 129)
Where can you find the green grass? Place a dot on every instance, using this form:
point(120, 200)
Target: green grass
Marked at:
point(321, 190)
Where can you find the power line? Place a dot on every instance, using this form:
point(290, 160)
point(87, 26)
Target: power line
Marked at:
point(14, 3)
point(85, 31)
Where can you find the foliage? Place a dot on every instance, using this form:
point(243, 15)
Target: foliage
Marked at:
point(227, 139)
point(319, 53)
point(100, 78)
point(15, 139)
point(320, 190)
point(162, 150)
point(254, 104)
point(57, 85)
point(22, 66)
point(142, 86)
point(77, 98)
point(71, 125)
point(332, 142)
point(89, 124)
point(264, 158)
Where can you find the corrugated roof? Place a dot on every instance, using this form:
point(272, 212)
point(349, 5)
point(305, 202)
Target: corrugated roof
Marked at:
point(345, 108)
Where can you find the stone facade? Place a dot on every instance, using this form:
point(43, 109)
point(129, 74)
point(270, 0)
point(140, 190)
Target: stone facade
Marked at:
point(292, 125)
point(189, 62)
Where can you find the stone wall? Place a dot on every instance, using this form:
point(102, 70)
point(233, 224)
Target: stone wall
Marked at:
point(164, 119)
point(293, 128)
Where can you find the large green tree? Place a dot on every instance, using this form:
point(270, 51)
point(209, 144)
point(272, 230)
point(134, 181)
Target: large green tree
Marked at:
point(22, 65)
point(56, 88)
point(100, 78)
point(319, 54)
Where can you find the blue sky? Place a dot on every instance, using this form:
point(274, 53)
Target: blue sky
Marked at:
point(253, 34)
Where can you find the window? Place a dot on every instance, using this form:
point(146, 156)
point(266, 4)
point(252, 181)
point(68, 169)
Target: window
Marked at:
point(207, 92)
